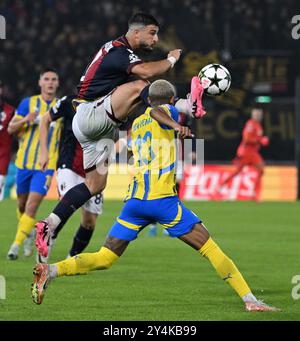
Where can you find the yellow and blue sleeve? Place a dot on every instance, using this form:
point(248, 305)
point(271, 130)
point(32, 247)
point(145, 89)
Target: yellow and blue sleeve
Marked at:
point(23, 108)
point(172, 111)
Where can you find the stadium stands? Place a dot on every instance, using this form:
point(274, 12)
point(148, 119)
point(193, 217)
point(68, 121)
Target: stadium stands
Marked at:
point(65, 33)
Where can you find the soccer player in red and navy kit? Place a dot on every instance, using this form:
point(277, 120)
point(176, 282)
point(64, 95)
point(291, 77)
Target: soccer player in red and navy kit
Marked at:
point(248, 150)
point(70, 172)
point(6, 140)
point(106, 96)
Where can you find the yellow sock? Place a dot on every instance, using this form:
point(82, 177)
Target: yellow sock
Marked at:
point(19, 214)
point(25, 227)
point(85, 262)
point(225, 267)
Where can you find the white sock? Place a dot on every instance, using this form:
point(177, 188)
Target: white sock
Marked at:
point(52, 271)
point(53, 221)
point(249, 298)
point(182, 105)
point(15, 247)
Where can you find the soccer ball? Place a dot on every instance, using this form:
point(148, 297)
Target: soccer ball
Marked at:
point(215, 79)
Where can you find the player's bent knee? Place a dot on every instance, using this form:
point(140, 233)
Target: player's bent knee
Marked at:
point(95, 185)
point(197, 237)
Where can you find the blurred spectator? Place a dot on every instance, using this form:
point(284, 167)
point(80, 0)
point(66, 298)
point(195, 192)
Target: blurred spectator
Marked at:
point(65, 33)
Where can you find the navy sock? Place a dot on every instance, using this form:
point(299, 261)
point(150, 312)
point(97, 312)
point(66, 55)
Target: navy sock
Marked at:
point(81, 240)
point(71, 201)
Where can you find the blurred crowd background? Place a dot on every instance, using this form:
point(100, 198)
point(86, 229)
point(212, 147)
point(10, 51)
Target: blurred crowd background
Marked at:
point(251, 38)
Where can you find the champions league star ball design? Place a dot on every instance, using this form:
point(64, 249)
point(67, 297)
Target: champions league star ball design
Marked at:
point(215, 79)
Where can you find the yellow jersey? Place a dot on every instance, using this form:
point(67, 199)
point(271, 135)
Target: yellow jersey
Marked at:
point(29, 142)
point(154, 152)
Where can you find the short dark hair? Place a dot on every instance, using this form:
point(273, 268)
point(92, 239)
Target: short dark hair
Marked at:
point(143, 19)
point(48, 69)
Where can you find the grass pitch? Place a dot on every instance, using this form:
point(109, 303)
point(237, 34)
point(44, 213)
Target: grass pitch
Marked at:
point(160, 278)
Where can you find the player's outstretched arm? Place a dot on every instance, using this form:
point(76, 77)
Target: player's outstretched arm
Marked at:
point(17, 123)
point(151, 69)
point(163, 118)
point(44, 132)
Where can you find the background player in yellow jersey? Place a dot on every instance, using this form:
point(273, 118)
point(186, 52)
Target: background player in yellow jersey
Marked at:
point(152, 197)
point(32, 183)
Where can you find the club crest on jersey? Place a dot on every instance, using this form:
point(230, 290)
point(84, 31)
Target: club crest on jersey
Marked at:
point(63, 186)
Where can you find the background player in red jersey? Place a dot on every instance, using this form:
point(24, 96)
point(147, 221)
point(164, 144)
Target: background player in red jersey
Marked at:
point(248, 150)
point(6, 140)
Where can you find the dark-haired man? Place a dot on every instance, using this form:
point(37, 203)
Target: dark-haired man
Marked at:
point(32, 183)
point(70, 173)
point(106, 96)
point(152, 197)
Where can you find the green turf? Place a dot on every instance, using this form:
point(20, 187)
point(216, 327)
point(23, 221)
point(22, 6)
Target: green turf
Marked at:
point(160, 278)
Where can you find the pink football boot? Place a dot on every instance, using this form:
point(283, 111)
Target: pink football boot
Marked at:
point(43, 234)
point(195, 98)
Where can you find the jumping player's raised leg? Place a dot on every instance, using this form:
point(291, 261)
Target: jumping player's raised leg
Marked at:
point(125, 97)
point(121, 101)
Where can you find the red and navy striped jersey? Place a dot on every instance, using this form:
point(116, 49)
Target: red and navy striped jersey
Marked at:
point(110, 68)
point(70, 152)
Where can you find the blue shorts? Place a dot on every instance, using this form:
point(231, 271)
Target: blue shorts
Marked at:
point(137, 214)
point(28, 180)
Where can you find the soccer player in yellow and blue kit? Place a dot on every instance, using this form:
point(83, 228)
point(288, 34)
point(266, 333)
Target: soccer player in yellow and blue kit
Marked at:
point(152, 197)
point(32, 184)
